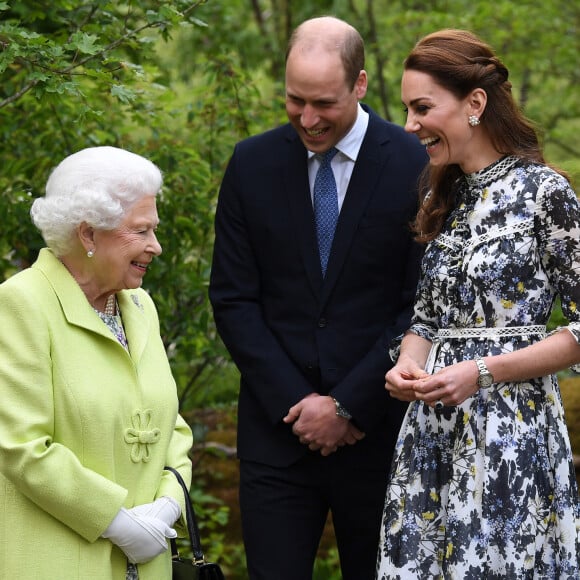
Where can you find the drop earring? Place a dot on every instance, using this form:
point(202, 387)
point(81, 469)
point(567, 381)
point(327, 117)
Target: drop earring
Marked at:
point(473, 120)
point(90, 253)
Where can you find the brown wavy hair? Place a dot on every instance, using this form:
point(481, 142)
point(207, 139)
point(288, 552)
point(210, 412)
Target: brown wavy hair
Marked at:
point(460, 62)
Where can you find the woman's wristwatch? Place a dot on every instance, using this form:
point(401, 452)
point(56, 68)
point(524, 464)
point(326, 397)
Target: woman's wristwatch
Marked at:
point(485, 378)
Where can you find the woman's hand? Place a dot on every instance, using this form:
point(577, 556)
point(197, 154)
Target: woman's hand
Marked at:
point(450, 386)
point(164, 508)
point(141, 538)
point(401, 379)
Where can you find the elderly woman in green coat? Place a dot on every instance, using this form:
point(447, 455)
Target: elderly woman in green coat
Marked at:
point(88, 405)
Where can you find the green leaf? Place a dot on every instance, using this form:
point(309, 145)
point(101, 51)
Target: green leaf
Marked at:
point(124, 94)
point(84, 43)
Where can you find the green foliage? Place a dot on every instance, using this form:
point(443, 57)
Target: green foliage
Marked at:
point(78, 74)
point(328, 567)
point(570, 389)
point(181, 81)
point(211, 517)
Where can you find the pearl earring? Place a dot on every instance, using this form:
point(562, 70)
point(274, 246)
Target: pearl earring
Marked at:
point(90, 254)
point(473, 120)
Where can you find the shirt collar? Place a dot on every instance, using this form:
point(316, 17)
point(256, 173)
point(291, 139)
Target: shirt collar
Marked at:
point(351, 143)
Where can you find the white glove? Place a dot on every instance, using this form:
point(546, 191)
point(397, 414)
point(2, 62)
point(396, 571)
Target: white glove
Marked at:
point(165, 508)
point(140, 538)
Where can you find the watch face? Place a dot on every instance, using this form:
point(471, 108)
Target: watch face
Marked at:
point(485, 381)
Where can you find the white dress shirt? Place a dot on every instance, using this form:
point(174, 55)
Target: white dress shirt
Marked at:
point(343, 162)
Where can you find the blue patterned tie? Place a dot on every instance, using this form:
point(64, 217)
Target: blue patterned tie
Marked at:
point(325, 206)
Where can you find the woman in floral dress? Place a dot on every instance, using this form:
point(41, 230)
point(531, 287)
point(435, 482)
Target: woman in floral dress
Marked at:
point(482, 484)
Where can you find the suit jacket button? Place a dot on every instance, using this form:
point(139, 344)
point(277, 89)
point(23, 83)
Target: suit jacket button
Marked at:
point(321, 322)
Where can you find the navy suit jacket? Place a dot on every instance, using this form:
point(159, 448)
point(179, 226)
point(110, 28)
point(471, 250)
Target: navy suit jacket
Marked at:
point(291, 332)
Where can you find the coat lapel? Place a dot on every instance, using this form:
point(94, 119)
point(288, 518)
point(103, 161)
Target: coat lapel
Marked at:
point(372, 157)
point(74, 303)
point(135, 322)
point(78, 311)
point(300, 204)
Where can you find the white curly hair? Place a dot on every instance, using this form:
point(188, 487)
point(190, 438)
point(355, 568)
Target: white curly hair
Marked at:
point(96, 185)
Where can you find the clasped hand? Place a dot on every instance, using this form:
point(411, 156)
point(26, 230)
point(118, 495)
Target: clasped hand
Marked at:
point(315, 423)
point(141, 532)
point(451, 385)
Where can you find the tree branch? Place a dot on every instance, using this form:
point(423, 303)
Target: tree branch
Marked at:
point(17, 95)
point(116, 43)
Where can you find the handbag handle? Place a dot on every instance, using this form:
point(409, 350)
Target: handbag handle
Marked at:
point(191, 521)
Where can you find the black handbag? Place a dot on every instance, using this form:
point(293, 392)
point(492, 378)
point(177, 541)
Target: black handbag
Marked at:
point(197, 568)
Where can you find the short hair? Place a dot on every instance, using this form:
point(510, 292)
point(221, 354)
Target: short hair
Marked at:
point(96, 185)
point(347, 41)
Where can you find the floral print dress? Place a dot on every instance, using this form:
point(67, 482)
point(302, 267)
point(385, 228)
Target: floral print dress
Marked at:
point(487, 489)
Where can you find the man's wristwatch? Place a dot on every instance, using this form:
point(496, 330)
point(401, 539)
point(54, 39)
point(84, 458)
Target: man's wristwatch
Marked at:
point(485, 378)
point(341, 411)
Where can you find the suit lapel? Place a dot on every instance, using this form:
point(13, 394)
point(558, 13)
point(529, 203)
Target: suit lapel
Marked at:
point(300, 204)
point(372, 157)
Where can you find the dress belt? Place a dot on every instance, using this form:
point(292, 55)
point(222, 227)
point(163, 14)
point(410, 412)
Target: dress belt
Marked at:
point(491, 332)
point(477, 332)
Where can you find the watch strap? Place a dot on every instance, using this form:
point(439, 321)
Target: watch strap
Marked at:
point(481, 366)
point(341, 411)
point(485, 378)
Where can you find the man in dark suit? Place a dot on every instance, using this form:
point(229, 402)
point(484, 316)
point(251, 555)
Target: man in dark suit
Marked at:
point(316, 428)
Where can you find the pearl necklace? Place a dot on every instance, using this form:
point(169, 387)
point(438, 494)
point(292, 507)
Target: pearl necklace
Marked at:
point(111, 305)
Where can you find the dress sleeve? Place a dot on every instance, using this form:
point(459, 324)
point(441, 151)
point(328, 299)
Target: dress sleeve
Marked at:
point(424, 319)
point(423, 330)
point(558, 229)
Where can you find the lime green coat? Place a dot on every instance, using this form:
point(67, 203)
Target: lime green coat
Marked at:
point(85, 427)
